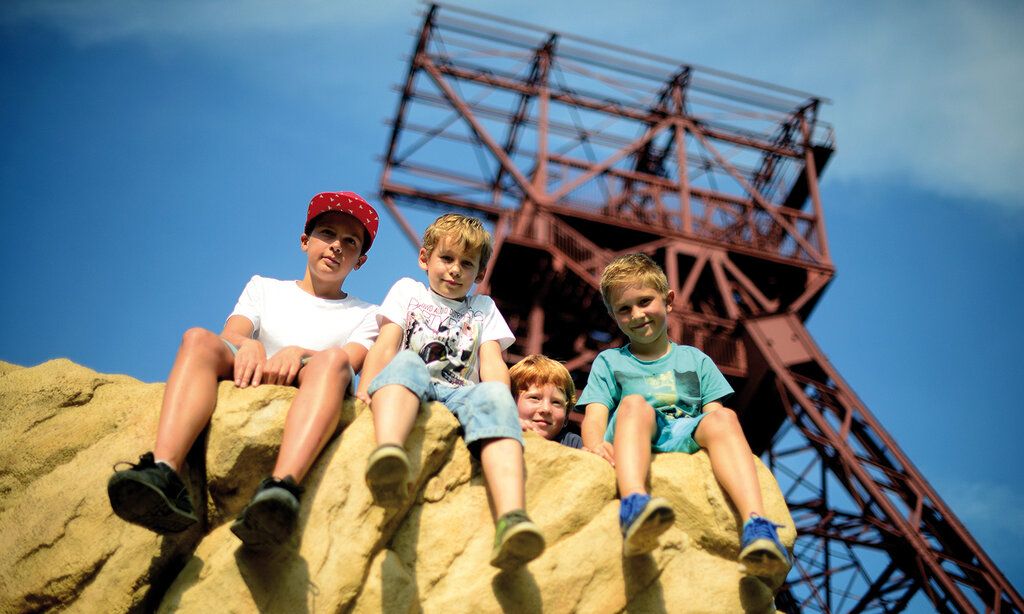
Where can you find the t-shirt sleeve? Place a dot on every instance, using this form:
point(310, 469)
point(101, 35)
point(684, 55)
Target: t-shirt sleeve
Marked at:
point(396, 303)
point(495, 328)
point(250, 303)
point(568, 438)
point(713, 385)
point(365, 333)
point(601, 387)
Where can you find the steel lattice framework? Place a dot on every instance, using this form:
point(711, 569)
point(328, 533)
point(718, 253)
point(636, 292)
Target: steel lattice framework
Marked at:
point(579, 151)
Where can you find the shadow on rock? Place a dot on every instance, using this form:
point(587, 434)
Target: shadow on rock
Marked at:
point(756, 595)
point(643, 588)
point(279, 581)
point(517, 591)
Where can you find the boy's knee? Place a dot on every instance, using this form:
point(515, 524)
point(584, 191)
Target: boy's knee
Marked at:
point(635, 407)
point(721, 420)
point(331, 359)
point(199, 338)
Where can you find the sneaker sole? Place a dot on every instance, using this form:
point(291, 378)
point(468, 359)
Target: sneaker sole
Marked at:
point(142, 504)
point(266, 523)
point(762, 559)
point(523, 543)
point(642, 536)
point(387, 477)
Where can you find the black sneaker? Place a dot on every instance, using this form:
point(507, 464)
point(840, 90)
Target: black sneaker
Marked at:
point(151, 495)
point(271, 517)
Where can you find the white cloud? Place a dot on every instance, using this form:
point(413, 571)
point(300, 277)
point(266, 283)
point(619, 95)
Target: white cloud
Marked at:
point(925, 93)
point(991, 509)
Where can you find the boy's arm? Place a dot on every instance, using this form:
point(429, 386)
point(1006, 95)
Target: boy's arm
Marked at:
point(356, 355)
point(251, 356)
point(380, 354)
point(595, 422)
point(712, 406)
point(492, 365)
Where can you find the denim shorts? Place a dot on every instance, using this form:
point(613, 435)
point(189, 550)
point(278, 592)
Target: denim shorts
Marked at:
point(669, 435)
point(485, 410)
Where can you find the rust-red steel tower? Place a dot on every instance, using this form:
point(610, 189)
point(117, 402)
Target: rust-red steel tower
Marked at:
point(578, 151)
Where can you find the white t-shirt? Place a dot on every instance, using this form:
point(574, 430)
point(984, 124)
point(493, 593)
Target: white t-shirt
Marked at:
point(446, 334)
point(283, 314)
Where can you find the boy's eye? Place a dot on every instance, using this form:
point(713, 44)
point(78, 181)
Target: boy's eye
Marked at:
point(466, 264)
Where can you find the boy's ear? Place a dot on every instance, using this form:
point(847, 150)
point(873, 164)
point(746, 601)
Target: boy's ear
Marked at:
point(424, 256)
point(304, 241)
point(360, 261)
point(479, 277)
point(669, 299)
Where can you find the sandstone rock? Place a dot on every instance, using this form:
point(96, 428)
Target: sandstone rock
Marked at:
point(63, 546)
point(63, 427)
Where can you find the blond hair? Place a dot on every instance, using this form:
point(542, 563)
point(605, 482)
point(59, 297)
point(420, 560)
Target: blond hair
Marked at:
point(539, 370)
point(468, 233)
point(632, 270)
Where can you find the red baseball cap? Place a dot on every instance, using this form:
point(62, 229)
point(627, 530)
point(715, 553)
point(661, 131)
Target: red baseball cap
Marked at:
point(345, 202)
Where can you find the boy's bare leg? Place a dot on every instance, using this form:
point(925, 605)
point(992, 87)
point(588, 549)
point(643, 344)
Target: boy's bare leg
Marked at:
point(314, 414)
point(502, 461)
point(191, 393)
point(394, 410)
point(732, 462)
point(633, 428)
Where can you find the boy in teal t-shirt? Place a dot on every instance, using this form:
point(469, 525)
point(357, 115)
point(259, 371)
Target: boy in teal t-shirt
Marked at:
point(656, 395)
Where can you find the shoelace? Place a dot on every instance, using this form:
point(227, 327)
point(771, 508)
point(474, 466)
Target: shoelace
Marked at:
point(759, 528)
point(145, 462)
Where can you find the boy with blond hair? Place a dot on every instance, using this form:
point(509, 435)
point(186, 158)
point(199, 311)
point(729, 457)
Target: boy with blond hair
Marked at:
point(309, 333)
point(544, 393)
point(438, 342)
point(667, 398)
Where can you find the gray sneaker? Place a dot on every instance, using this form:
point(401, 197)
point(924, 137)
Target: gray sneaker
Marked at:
point(151, 495)
point(387, 475)
point(270, 518)
point(517, 541)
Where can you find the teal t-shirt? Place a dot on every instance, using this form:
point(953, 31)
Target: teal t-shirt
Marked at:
point(679, 383)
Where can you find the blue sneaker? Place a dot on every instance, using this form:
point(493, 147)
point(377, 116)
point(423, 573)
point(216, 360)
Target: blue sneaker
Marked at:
point(642, 519)
point(761, 553)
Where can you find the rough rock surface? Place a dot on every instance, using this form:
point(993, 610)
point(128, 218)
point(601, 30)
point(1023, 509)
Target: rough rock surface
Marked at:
point(64, 426)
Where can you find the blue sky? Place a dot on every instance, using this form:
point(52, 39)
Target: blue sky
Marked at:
point(156, 155)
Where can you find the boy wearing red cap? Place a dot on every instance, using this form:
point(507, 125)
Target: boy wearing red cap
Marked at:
point(308, 332)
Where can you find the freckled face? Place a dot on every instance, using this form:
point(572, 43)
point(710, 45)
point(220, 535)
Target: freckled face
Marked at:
point(544, 406)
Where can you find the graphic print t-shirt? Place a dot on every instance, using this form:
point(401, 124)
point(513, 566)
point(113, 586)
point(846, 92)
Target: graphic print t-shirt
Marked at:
point(446, 334)
point(678, 384)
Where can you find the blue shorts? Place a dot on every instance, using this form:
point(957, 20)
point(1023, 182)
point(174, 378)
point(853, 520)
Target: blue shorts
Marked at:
point(485, 410)
point(669, 435)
